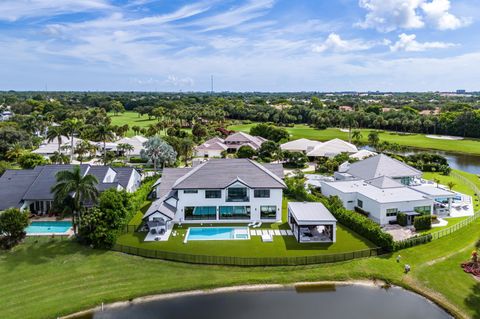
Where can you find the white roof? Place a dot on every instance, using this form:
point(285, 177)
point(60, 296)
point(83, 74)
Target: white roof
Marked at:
point(333, 148)
point(47, 148)
point(362, 154)
point(302, 145)
point(310, 212)
point(433, 191)
point(387, 195)
point(135, 141)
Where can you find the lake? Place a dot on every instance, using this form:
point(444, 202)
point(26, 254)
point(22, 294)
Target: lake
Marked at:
point(304, 302)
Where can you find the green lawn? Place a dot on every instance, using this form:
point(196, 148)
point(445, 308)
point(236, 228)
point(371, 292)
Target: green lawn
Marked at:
point(282, 246)
point(132, 119)
point(471, 146)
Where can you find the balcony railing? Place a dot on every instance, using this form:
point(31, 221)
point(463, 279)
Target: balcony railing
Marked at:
point(236, 199)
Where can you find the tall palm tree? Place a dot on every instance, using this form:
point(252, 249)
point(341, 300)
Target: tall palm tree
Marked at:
point(59, 158)
point(55, 133)
point(126, 149)
point(103, 133)
point(70, 127)
point(83, 147)
point(357, 136)
point(73, 183)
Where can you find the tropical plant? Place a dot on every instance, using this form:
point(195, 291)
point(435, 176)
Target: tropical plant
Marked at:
point(15, 151)
point(246, 151)
point(357, 136)
point(158, 151)
point(103, 133)
point(81, 188)
point(70, 128)
point(451, 185)
point(59, 158)
point(31, 160)
point(373, 138)
point(12, 227)
point(55, 132)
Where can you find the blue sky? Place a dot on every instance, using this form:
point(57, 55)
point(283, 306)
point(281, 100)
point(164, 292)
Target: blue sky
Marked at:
point(247, 45)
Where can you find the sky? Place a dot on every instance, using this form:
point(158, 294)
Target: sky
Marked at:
point(246, 45)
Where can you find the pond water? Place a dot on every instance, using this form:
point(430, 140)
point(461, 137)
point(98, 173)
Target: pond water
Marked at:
point(462, 161)
point(305, 302)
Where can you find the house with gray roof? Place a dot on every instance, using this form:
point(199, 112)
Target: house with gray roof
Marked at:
point(382, 187)
point(219, 191)
point(31, 188)
point(216, 145)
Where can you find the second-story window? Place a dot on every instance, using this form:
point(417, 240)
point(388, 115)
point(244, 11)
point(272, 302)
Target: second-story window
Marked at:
point(190, 191)
point(213, 193)
point(237, 194)
point(261, 193)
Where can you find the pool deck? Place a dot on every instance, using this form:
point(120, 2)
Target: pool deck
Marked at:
point(69, 233)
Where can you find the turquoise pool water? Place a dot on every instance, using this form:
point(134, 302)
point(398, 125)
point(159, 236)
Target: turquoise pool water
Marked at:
point(217, 233)
point(48, 227)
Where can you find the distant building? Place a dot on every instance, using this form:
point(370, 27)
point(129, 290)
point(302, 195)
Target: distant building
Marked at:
point(5, 115)
point(215, 146)
point(461, 91)
point(345, 108)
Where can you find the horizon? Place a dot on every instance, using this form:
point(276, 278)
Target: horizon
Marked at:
point(246, 45)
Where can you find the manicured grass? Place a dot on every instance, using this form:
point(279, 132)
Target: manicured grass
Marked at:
point(282, 246)
point(451, 222)
point(133, 119)
point(471, 146)
point(47, 279)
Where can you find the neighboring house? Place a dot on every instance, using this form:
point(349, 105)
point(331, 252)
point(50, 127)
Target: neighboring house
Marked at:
point(301, 145)
point(31, 188)
point(362, 154)
point(236, 140)
point(5, 116)
point(47, 148)
point(332, 148)
point(219, 191)
point(211, 148)
point(215, 146)
point(382, 187)
point(135, 141)
point(346, 108)
point(378, 166)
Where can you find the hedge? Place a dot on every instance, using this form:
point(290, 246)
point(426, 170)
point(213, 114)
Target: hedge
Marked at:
point(137, 199)
point(360, 224)
point(422, 222)
point(402, 219)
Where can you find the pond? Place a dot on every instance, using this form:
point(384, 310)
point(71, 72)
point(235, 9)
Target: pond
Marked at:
point(309, 301)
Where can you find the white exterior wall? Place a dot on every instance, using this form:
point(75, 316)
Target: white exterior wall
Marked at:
point(134, 181)
point(377, 211)
point(195, 200)
point(208, 153)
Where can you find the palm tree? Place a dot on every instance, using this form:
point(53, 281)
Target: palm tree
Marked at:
point(73, 183)
point(357, 136)
point(55, 133)
point(83, 147)
point(70, 127)
point(436, 181)
point(158, 151)
point(15, 151)
point(103, 133)
point(373, 138)
point(59, 158)
point(451, 185)
point(125, 148)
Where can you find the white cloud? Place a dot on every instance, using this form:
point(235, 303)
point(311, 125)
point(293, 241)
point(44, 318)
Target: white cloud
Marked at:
point(436, 13)
point(179, 82)
point(336, 44)
point(12, 10)
point(390, 15)
point(408, 43)
point(235, 16)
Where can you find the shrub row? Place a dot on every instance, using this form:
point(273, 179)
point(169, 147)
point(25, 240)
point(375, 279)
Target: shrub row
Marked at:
point(402, 219)
point(422, 222)
point(360, 224)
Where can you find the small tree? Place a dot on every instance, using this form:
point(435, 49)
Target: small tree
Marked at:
point(12, 227)
point(246, 151)
point(158, 151)
point(373, 138)
point(451, 185)
point(31, 160)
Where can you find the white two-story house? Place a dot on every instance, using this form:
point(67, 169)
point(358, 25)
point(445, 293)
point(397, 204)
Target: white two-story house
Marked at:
point(219, 191)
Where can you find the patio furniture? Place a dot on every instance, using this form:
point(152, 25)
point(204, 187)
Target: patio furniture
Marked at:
point(267, 238)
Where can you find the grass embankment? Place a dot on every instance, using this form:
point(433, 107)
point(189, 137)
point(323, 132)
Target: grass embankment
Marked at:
point(44, 280)
point(471, 146)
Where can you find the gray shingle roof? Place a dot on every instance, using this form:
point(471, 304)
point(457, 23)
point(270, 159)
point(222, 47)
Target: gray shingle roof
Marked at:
point(13, 185)
point(381, 165)
point(219, 173)
point(384, 182)
point(123, 175)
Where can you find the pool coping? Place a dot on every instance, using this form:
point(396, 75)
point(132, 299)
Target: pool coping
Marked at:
point(67, 233)
point(217, 239)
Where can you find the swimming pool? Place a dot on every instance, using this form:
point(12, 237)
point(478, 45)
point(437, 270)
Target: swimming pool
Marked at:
point(48, 227)
point(217, 233)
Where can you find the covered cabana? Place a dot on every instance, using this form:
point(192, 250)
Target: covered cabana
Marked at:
point(442, 198)
point(311, 222)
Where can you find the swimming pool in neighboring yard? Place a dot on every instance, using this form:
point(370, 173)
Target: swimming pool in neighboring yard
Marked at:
point(217, 233)
point(48, 227)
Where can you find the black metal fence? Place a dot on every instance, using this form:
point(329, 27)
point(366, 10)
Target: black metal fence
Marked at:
point(410, 242)
point(247, 261)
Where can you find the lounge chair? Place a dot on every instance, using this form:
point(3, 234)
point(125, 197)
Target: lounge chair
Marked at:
point(251, 224)
point(258, 224)
point(267, 238)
